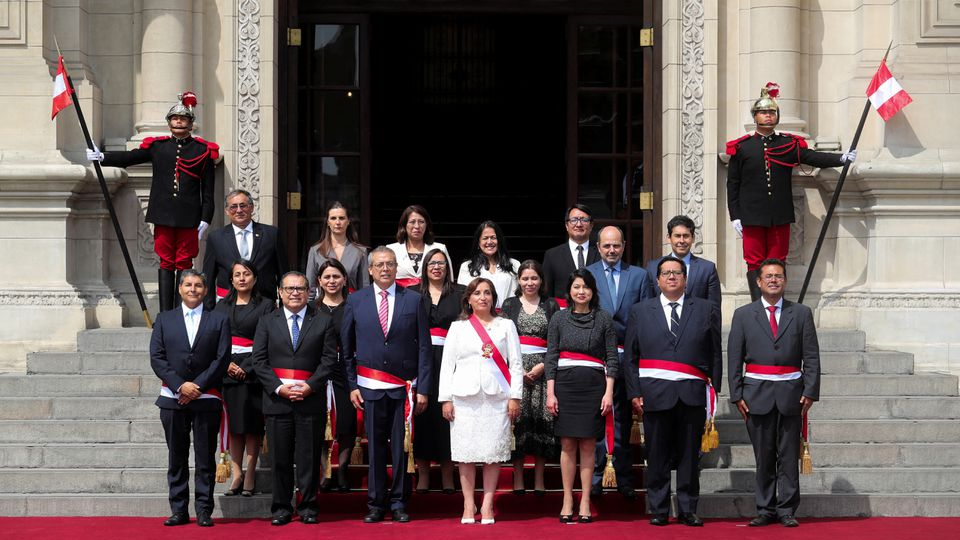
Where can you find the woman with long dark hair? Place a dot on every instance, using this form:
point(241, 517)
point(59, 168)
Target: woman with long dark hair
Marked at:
point(242, 391)
point(490, 259)
point(339, 241)
point(414, 239)
point(441, 298)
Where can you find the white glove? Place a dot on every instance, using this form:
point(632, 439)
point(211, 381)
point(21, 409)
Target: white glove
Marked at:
point(95, 154)
point(202, 228)
point(737, 227)
point(849, 157)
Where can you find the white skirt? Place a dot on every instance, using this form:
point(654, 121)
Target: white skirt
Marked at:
point(480, 431)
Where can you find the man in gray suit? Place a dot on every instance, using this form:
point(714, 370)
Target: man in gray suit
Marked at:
point(774, 370)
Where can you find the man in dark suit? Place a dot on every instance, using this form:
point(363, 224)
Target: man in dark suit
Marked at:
point(702, 279)
point(774, 379)
point(619, 286)
point(190, 352)
point(577, 252)
point(294, 352)
point(672, 355)
point(385, 339)
point(246, 239)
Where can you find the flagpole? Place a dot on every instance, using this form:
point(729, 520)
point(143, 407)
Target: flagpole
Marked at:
point(836, 194)
point(109, 201)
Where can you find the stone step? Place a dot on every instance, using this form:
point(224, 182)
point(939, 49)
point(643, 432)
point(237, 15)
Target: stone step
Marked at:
point(78, 385)
point(830, 340)
point(734, 431)
point(114, 339)
point(98, 480)
point(945, 480)
point(828, 455)
point(925, 384)
point(831, 505)
point(873, 408)
point(89, 363)
point(874, 362)
point(80, 431)
point(80, 408)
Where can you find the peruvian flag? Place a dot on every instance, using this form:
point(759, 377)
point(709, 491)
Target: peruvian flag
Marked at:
point(886, 94)
point(61, 92)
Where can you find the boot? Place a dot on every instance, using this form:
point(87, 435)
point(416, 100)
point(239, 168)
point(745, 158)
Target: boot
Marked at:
point(752, 276)
point(166, 287)
point(176, 289)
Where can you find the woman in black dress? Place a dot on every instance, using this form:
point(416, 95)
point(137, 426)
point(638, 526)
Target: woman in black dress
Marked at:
point(531, 310)
point(332, 290)
point(241, 389)
point(441, 297)
point(581, 365)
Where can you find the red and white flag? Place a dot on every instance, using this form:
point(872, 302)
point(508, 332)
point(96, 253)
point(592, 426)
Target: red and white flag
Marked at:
point(61, 92)
point(886, 94)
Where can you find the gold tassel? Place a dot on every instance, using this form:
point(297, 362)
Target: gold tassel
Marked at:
point(223, 468)
point(705, 439)
point(408, 448)
point(714, 436)
point(328, 470)
point(356, 455)
point(806, 460)
point(609, 474)
point(264, 449)
point(328, 434)
point(636, 433)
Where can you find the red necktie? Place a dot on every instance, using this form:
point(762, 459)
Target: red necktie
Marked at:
point(773, 319)
point(384, 312)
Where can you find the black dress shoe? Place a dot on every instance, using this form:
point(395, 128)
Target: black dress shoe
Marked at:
point(204, 519)
point(690, 519)
point(308, 519)
point(762, 521)
point(660, 521)
point(326, 485)
point(375, 515)
point(789, 521)
point(177, 518)
point(343, 488)
point(400, 516)
point(281, 519)
point(539, 492)
point(520, 492)
point(628, 493)
point(596, 490)
point(449, 491)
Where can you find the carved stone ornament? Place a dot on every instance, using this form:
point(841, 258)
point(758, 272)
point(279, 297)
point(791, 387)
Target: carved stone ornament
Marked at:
point(888, 300)
point(795, 256)
point(145, 253)
point(691, 127)
point(248, 97)
point(55, 297)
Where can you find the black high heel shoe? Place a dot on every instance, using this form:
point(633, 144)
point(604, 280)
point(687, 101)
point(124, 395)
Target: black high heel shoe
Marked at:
point(233, 491)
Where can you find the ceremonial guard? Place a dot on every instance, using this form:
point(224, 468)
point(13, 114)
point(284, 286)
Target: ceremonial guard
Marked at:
point(181, 195)
point(759, 187)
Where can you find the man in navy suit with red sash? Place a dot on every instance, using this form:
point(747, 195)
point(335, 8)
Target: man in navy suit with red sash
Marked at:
point(385, 340)
point(190, 352)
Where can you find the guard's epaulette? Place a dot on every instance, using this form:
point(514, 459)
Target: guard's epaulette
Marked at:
point(213, 147)
point(150, 140)
point(734, 144)
point(800, 140)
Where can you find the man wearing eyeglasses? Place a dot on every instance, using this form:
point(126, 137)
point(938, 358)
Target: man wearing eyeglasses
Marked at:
point(577, 252)
point(294, 352)
point(385, 340)
point(243, 238)
point(774, 370)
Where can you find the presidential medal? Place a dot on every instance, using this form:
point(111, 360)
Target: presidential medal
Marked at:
point(487, 350)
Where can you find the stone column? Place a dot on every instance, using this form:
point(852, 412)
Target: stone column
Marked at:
point(166, 60)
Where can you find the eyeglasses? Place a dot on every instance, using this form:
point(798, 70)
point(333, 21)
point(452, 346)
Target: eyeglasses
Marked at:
point(387, 264)
point(437, 264)
point(291, 290)
point(242, 206)
point(579, 220)
point(669, 273)
point(773, 277)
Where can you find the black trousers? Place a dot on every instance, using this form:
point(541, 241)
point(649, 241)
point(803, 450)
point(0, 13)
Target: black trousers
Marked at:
point(776, 447)
point(295, 438)
point(673, 437)
point(622, 453)
point(383, 420)
point(177, 426)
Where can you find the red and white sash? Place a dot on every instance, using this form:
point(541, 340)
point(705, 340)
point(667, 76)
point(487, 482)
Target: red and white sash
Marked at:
point(619, 349)
point(438, 336)
point(575, 359)
point(496, 364)
point(374, 379)
point(532, 345)
point(772, 373)
point(562, 302)
point(240, 345)
point(166, 392)
point(408, 282)
point(222, 293)
point(292, 376)
point(668, 370)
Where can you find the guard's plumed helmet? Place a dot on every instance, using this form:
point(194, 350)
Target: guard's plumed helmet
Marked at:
point(184, 107)
point(768, 99)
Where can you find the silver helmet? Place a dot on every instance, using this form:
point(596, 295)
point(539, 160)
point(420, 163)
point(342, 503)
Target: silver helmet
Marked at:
point(767, 100)
point(184, 107)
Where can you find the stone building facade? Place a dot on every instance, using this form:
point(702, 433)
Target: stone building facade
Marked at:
point(890, 265)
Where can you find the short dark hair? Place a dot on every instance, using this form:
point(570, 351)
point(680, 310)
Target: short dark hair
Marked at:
point(589, 281)
point(465, 310)
point(577, 206)
point(775, 262)
point(670, 258)
point(405, 216)
point(683, 221)
point(231, 296)
point(293, 273)
point(338, 266)
point(531, 264)
point(184, 274)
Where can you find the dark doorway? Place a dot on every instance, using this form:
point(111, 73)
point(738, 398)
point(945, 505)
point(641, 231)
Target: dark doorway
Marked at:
point(469, 121)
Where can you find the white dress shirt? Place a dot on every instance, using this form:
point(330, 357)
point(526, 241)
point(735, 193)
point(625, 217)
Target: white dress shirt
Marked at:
point(465, 372)
point(192, 323)
point(573, 251)
point(668, 309)
point(766, 308)
point(289, 316)
point(239, 238)
point(391, 301)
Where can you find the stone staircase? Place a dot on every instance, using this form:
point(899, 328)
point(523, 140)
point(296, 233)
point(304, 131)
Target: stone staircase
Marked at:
point(79, 435)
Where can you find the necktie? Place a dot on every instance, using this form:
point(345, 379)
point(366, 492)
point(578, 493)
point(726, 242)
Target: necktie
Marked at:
point(580, 262)
point(384, 311)
point(773, 319)
point(244, 247)
point(295, 329)
point(674, 318)
point(612, 285)
point(191, 326)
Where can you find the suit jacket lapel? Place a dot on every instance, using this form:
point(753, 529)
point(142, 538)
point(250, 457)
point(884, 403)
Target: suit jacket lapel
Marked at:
point(656, 311)
point(308, 318)
point(401, 294)
point(684, 315)
point(625, 274)
point(763, 319)
point(692, 272)
point(204, 316)
point(374, 310)
point(786, 317)
point(257, 240)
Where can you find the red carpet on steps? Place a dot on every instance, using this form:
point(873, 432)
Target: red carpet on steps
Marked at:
point(517, 527)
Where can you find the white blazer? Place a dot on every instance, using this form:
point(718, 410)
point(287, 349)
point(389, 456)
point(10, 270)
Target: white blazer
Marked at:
point(405, 265)
point(465, 372)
